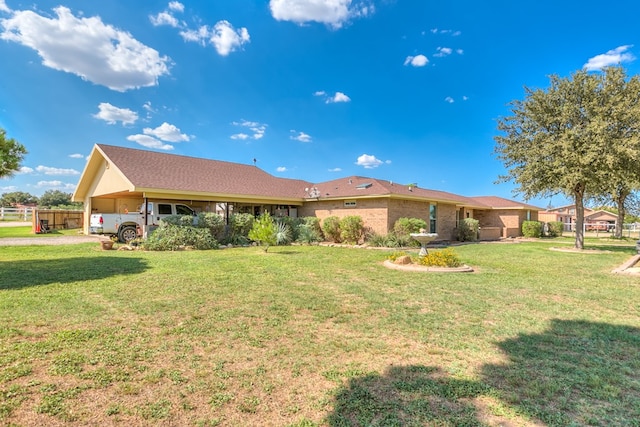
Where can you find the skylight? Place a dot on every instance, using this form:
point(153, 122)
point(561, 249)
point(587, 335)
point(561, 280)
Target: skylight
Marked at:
point(364, 186)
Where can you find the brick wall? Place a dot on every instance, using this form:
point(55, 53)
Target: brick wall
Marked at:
point(374, 212)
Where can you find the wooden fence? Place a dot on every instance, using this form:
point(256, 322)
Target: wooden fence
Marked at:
point(58, 219)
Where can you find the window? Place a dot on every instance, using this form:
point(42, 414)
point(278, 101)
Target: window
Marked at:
point(164, 209)
point(183, 210)
point(432, 218)
point(350, 203)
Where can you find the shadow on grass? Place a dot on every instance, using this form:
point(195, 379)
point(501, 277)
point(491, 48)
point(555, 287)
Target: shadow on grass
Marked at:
point(406, 396)
point(22, 274)
point(574, 373)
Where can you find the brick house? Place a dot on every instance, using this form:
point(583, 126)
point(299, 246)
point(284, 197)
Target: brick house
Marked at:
point(118, 179)
point(594, 220)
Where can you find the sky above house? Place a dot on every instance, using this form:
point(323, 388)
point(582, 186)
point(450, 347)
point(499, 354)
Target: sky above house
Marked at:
point(404, 90)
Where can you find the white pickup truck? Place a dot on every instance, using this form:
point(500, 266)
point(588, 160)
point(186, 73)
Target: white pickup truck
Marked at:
point(126, 226)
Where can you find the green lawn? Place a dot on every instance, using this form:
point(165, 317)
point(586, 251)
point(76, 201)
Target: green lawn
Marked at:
point(306, 336)
point(25, 231)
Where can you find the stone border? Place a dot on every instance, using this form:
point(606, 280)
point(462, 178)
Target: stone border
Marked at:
point(629, 266)
point(422, 268)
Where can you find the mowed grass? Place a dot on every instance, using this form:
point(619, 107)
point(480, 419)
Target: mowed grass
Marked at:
point(315, 336)
point(26, 231)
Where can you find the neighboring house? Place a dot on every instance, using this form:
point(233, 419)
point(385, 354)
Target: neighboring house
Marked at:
point(594, 220)
point(118, 179)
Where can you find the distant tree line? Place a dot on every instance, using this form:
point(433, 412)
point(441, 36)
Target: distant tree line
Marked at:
point(51, 199)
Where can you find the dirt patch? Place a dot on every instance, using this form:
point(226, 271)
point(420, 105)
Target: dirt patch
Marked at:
point(580, 251)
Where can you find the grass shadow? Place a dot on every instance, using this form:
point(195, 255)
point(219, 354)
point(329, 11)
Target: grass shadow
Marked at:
point(574, 373)
point(27, 273)
point(406, 396)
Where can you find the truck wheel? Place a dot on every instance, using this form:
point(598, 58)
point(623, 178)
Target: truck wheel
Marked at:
point(127, 234)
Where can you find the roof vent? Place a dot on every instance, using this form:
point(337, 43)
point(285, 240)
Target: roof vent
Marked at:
point(364, 186)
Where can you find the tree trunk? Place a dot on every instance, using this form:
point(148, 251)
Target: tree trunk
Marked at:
point(621, 198)
point(578, 194)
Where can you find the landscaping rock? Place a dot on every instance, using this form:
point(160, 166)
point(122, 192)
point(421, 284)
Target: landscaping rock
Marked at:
point(403, 260)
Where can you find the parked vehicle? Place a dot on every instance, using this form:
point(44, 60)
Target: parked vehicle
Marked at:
point(127, 226)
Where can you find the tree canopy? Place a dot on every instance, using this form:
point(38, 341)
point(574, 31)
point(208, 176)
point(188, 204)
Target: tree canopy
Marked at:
point(580, 137)
point(57, 198)
point(17, 198)
point(11, 155)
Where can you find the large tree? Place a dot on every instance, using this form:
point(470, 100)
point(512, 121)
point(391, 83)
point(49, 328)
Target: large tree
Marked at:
point(11, 154)
point(55, 198)
point(17, 198)
point(566, 139)
point(620, 122)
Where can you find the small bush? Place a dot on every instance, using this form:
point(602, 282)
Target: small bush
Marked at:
point(264, 231)
point(377, 240)
point(532, 229)
point(171, 237)
point(331, 228)
point(468, 230)
point(313, 223)
point(308, 234)
point(442, 258)
point(238, 229)
point(283, 234)
point(406, 226)
point(181, 220)
point(555, 228)
point(213, 222)
point(351, 229)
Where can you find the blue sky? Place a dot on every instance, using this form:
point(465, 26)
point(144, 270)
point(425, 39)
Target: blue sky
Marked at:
point(404, 90)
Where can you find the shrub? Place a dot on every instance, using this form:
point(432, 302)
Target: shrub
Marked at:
point(531, 229)
point(331, 228)
point(406, 226)
point(555, 228)
point(442, 258)
point(313, 223)
point(308, 234)
point(283, 234)
point(468, 230)
point(181, 220)
point(238, 230)
point(377, 240)
point(264, 231)
point(172, 237)
point(292, 224)
point(213, 222)
point(351, 229)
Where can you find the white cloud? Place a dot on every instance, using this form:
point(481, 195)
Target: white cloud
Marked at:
point(339, 97)
point(164, 18)
point(4, 7)
point(167, 132)
point(613, 57)
point(10, 188)
point(459, 51)
point(450, 32)
point(416, 61)
point(87, 48)
point(76, 156)
point(334, 13)
point(176, 6)
point(55, 185)
point(368, 161)
point(281, 169)
point(223, 36)
point(443, 51)
point(301, 136)
point(226, 39)
point(258, 130)
point(112, 114)
point(24, 170)
point(335, 170)
point(56, 171)
point(149, 142)
point(465, 98)
point(449, 100)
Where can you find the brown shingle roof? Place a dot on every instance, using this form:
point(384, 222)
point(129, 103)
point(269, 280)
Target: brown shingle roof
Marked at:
point(496, 202)
point(357, 186)
point(149, 170)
